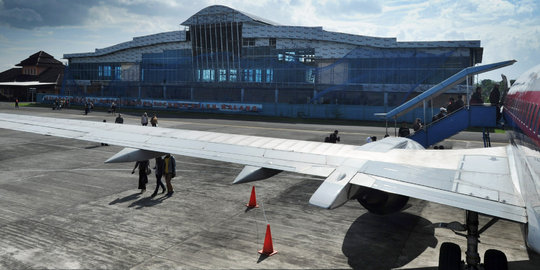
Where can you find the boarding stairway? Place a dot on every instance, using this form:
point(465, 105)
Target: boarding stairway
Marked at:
point(465, 117)
point(448, 126)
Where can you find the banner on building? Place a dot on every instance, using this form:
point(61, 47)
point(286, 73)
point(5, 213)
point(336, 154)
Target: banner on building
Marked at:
point(157, 104)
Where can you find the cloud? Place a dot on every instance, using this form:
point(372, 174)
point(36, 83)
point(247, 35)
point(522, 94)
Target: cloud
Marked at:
point(30, 14)
point(506, 28)
point(348, 8)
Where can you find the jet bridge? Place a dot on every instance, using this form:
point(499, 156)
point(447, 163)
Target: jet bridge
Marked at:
point(468, 116)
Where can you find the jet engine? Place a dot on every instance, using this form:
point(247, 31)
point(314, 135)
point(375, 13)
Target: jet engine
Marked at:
point(380, 202)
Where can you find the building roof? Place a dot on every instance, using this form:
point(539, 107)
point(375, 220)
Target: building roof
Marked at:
point(142, 41)
point(221, 14)
point(40, 58)
point(257, 27)
point(49, 75)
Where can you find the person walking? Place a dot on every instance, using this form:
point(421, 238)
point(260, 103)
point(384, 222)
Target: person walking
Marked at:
point(417, 124)
point(144, 119)
point(113, 108)
point(16, 103)
point(169, 170)
point(494, 99)
point(119, 119)
point(476, 98)
point(153, 121)
point(158, 169)
point(404, 130)
point(143, 173)
point(333, 138)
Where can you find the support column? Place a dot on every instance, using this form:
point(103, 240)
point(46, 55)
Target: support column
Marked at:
point(276, 94)
point(164, 91)
point(242, 95)
point(425, 107)
point(385, 101)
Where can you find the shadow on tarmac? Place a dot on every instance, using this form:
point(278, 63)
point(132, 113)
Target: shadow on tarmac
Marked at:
point(262, 258)
point(387, 242)
point(148, 202)
point(126, 199)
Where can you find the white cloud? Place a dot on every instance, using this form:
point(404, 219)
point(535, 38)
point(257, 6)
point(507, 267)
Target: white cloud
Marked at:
point(507, 29)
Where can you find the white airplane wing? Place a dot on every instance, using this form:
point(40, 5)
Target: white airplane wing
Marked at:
point(479, 180)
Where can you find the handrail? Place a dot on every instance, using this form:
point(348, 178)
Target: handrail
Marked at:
point(442, 87)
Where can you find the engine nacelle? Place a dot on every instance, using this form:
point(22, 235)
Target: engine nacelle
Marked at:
point(380, 202)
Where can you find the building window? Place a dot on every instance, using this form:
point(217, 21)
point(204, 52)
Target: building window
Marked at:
point(233, 75)
point(248, 42)
point(289, 56)
point(272, 42)
point(222, 75)
point(280, 57)
point(269, 75)
point(310, 76)
point(118, 73)
point(208, 75)
point(107, 71)
point(258, 75)
point(100, 71)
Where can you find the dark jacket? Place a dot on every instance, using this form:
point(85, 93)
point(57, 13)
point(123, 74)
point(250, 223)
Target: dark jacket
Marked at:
point(160, 166)
point(404, 132)
point(171, 169)
point(333, 138)
point(494, 96)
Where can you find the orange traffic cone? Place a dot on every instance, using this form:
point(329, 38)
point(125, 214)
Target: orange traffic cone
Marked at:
point(252, 200)
point(268, 248)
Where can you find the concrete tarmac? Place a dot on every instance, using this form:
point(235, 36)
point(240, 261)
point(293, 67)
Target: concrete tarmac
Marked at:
point(61, 207)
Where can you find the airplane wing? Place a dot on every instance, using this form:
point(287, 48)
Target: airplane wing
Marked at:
point(479, 180)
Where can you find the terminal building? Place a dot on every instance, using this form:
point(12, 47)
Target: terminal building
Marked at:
point(226, 55)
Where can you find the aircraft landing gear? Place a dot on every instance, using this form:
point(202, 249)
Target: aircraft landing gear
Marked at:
point(450, 253)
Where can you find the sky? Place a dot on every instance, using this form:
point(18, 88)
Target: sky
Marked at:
point(507, 29)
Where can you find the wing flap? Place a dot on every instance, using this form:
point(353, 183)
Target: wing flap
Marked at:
point(463, 201)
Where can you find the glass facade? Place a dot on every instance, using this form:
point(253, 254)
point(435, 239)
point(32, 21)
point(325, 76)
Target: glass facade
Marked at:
point(217, 59)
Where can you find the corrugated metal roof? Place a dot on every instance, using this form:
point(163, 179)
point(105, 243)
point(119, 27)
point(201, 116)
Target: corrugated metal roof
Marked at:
point(219, 13)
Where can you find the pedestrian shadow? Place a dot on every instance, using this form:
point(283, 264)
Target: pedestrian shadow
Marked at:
point(126, 199)
point(148, 202)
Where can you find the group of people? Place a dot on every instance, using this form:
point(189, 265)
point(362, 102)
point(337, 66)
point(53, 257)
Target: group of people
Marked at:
point(452, 106)
point(144, 120)
point(88, 106)
point(153, 120)
point(164, 167)
point(58, 103)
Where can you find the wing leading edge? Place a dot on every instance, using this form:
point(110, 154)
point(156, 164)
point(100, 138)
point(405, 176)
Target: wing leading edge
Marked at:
point(473, 179)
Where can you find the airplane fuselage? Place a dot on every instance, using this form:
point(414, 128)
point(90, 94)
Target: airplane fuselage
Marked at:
point(522, 117)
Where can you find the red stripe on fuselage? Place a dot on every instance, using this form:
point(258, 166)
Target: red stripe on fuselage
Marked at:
point(520, 106)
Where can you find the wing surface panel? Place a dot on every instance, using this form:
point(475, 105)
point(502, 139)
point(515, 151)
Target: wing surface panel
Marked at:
point(463, 201)
point(458, 178)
